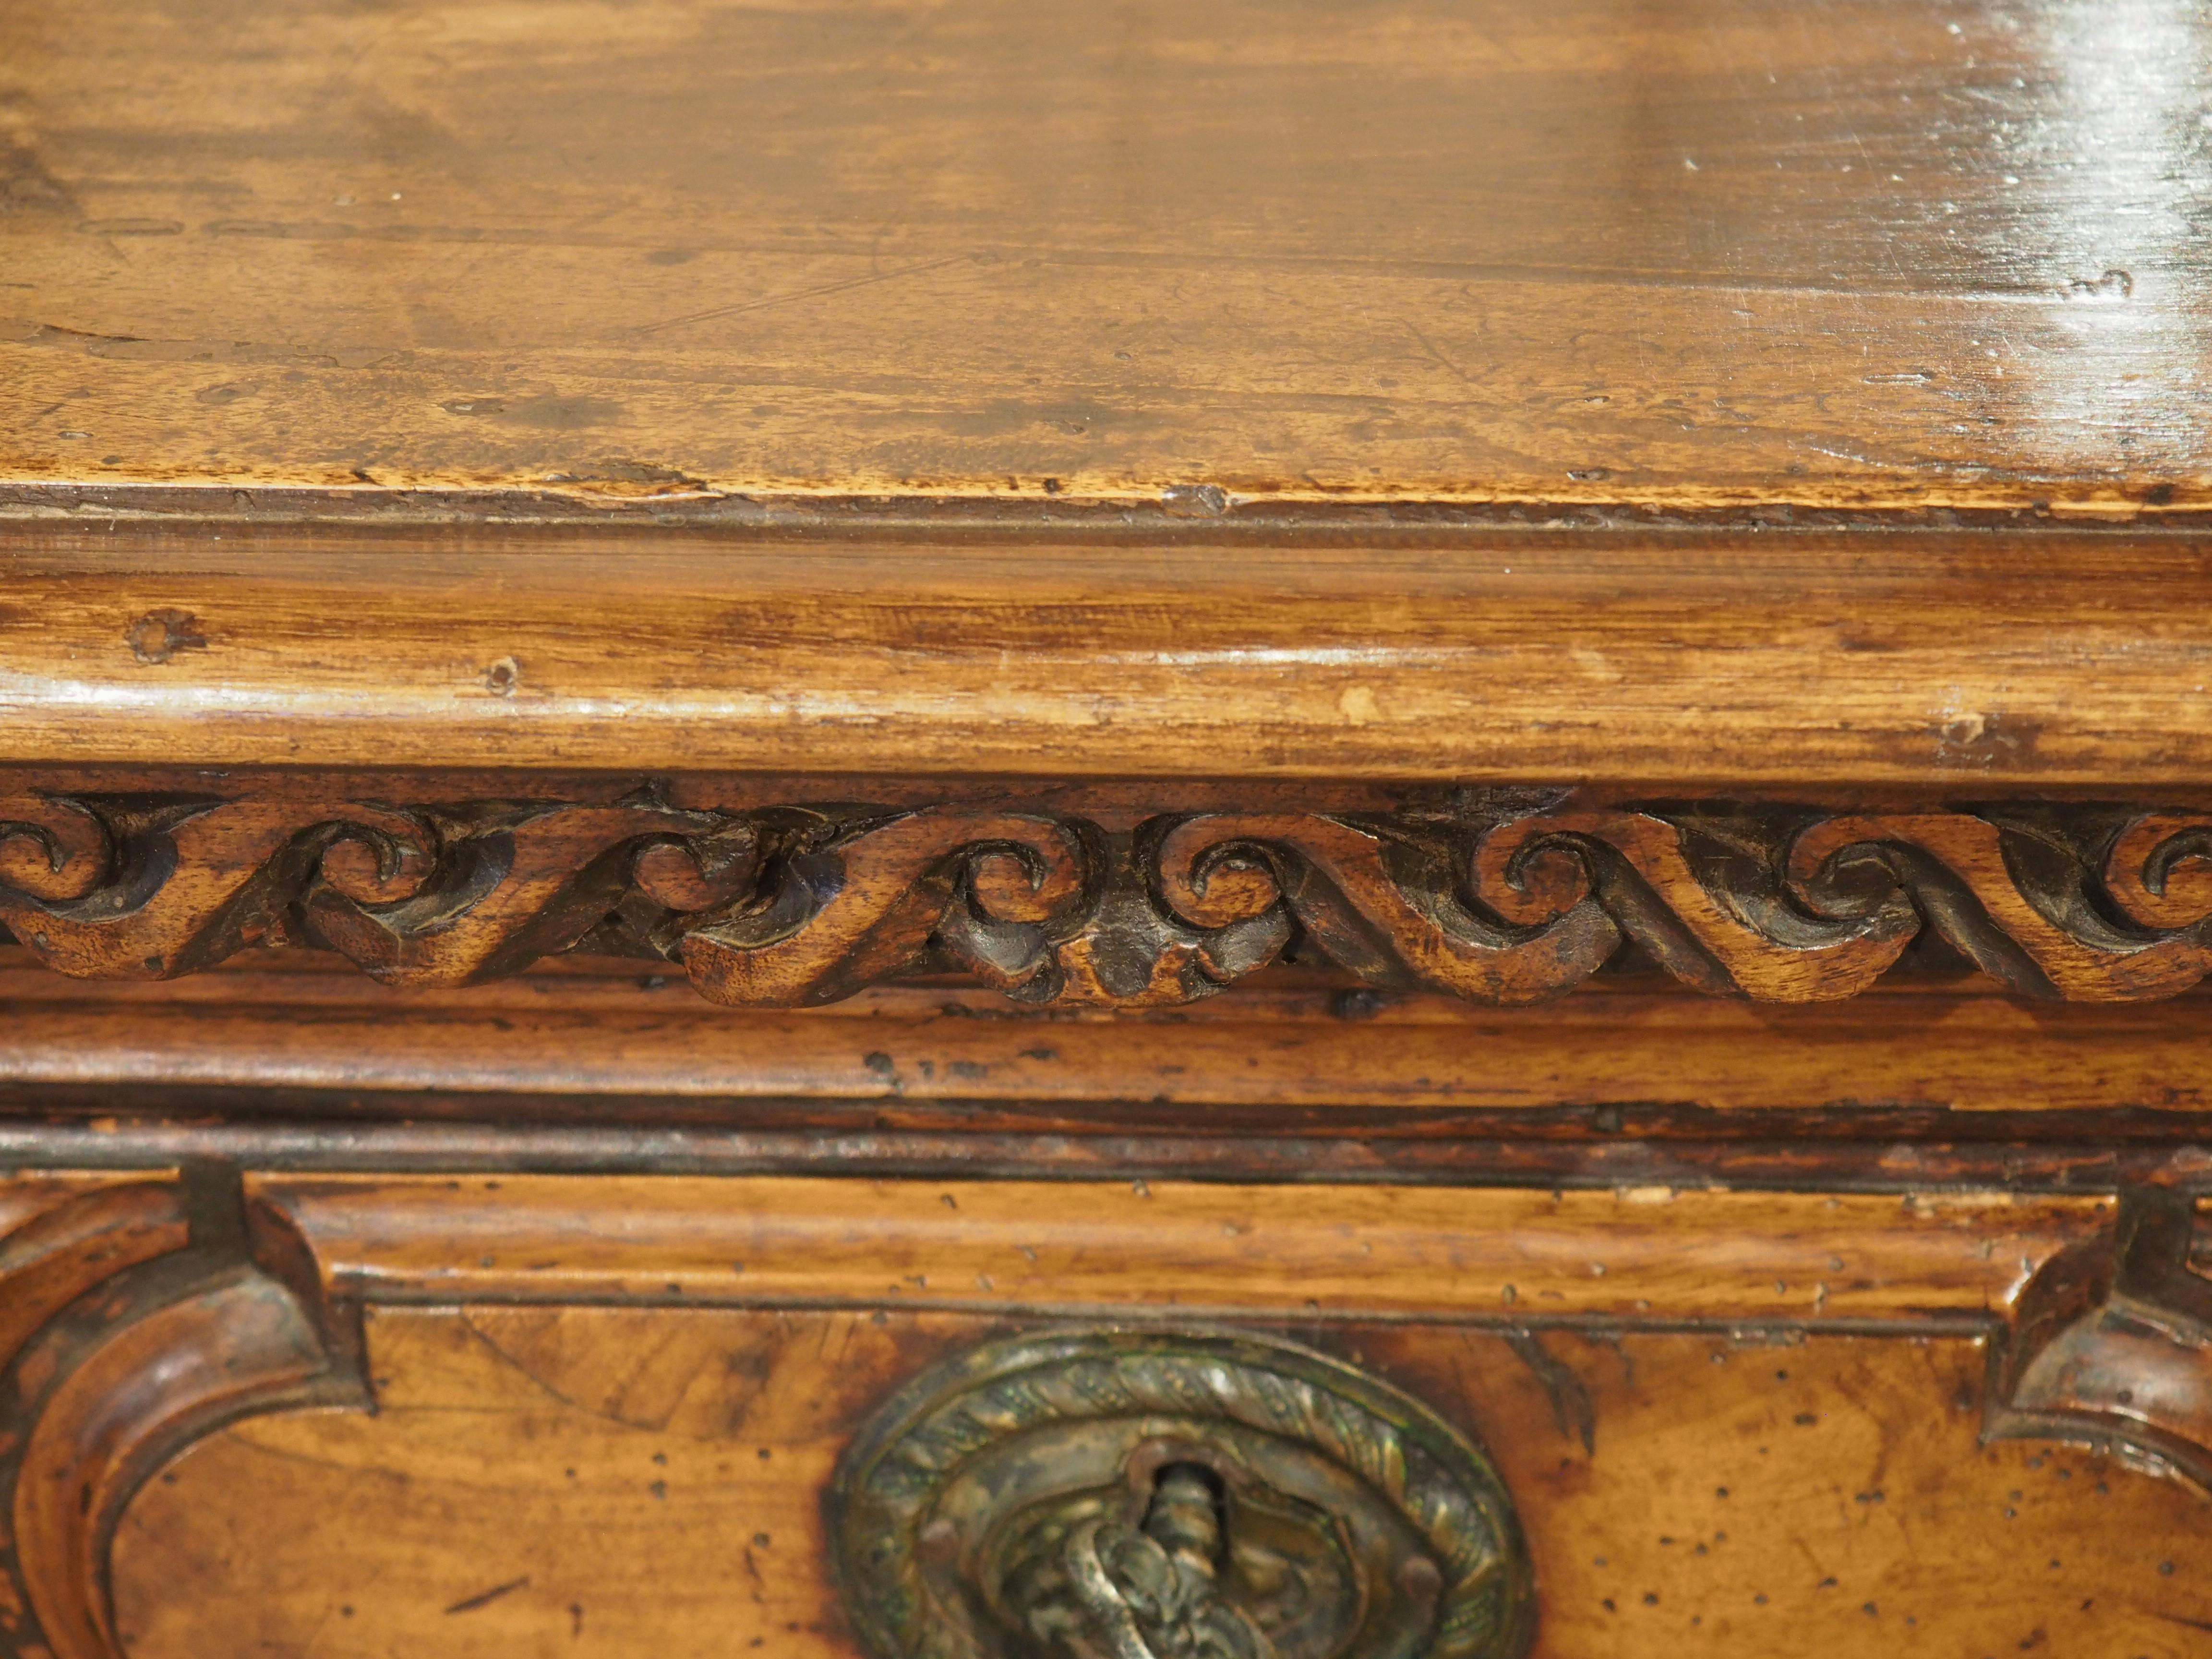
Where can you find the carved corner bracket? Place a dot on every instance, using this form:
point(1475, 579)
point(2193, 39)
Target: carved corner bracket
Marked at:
point(2111, 1344)
point(1499, 896)
point(135, 1318)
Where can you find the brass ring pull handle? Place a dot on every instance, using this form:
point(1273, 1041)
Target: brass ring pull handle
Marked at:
point(1152, 1593)
point(1119, 1494)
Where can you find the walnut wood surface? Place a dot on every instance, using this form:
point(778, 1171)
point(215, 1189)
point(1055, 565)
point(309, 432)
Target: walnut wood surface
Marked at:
point(230, 1348)
point(1772, 1430)
point(1730, 253)
point(599, 1481)
point(275, 1035)
point(36, 1199)
point(136, 1313)
point(1935, 661)
point(2117, 1331)
point(1589, 501)
point(104, 1225)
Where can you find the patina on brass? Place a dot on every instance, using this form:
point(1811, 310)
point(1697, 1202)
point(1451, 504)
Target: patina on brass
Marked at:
point(1125, 1494)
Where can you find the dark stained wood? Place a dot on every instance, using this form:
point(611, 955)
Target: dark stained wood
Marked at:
point(2113, 1337)
point(60, 1234)
point(1726, 255)
point(1136, 900)
point(29, 1198)
point(1852, 1151)
point(136, 1314)
point(597, 1481)
point(234, 1348)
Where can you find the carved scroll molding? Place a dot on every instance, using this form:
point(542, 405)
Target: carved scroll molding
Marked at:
point(134, 1318)
point(2113, 1343)
point(1498, 896)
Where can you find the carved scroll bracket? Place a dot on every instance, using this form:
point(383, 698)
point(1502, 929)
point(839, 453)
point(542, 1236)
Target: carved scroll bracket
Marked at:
point(134, 1319)
point(2113, 1343)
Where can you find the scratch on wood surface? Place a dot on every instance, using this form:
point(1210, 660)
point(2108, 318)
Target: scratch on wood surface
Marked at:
point(796, 294)
point(1573, 1409)
point(485, 1598)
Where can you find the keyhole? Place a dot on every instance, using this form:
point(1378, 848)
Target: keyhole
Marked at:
point(1187, 1515)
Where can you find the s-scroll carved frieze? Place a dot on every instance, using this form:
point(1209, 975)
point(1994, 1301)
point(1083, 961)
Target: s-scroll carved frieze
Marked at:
point(1500, 897)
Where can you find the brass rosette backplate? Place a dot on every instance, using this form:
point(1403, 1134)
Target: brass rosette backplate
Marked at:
point(1159, 1494)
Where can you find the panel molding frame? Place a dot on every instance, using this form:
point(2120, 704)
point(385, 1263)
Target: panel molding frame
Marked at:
point(161, 1307)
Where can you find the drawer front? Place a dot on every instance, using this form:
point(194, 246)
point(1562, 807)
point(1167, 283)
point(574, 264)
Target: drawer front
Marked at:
point(597, 1415)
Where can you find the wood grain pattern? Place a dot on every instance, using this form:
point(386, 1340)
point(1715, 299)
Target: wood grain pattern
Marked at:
point(1149, 1248)
point(1938, 659)
point(29, 1197)
point(1014, 518)
point(279, 1037)
point(67, 1235)
point(1525, 1316)
point(1496, 896)
point(1724, 254)
point(108, 1225)
point(62, 1234)
point(599, 1481)
point(230, 1349)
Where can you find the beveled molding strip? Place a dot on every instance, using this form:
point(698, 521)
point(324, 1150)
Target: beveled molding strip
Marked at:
point(1496, 896)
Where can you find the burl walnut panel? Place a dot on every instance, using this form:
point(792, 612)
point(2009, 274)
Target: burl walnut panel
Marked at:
point(548, 1481)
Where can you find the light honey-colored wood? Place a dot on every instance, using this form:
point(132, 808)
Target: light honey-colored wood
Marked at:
point(1712, 255)
point(1260, 430)
point(603, 1359)
point(1699, 660)
point(605, 1030)
point(544, 1482)
point(1182, 1248)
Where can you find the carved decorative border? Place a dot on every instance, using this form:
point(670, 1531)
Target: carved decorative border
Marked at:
point(1496, 897)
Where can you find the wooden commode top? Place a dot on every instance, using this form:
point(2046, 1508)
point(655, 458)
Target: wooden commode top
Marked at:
point(1713, 257)
point(1105, 830)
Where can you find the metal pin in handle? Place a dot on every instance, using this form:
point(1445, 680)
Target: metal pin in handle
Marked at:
point(1152, 1594)
point(1185, 1518)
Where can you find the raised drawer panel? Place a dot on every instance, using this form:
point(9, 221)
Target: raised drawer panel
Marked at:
point(247, 1413)
point(621, 1481)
